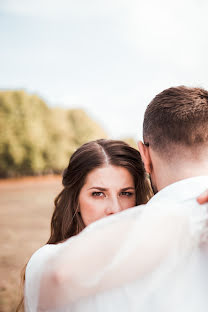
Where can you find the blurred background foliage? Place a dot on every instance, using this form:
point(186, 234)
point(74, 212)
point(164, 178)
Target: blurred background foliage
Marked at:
point(36, 139)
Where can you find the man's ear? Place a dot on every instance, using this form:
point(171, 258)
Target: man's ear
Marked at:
point(145, 154)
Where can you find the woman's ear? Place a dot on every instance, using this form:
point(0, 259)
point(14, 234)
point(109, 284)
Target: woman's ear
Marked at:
point(145, 154)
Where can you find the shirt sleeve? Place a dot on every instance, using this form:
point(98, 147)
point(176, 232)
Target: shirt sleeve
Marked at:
point(115, 251)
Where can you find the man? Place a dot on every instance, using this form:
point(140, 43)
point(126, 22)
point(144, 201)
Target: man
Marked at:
point(151, 259)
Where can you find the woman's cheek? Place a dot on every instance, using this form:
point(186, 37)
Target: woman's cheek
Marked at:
point(91, 211)
point(129, 202)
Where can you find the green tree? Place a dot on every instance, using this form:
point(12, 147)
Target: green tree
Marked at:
point(36, 139)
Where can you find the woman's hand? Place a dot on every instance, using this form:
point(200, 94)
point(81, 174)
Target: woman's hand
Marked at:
point(203, 198)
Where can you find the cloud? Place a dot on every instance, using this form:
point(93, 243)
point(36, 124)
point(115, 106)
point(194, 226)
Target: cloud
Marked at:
point(54, 9)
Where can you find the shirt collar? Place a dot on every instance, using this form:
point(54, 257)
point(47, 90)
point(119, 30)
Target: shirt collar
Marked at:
point(182, 190)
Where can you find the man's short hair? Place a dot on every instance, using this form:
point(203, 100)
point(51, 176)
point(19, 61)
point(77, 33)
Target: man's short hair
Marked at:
point(178, 115)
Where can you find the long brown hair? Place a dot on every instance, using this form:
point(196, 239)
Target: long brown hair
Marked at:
point(66, 220)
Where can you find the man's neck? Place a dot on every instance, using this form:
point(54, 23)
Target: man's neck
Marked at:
point(170, 173)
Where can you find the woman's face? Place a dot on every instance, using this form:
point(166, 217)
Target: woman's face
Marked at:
point(107, 190)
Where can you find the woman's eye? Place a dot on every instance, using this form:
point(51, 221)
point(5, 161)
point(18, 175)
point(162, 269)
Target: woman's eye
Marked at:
point(128, 194)
point(97, 194)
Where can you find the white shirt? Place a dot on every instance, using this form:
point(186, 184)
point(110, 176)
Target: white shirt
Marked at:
point(172, 276)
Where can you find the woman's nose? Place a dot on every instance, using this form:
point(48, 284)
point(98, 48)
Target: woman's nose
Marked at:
point(113, 206)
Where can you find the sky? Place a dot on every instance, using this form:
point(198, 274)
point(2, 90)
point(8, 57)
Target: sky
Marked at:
point(108, 57)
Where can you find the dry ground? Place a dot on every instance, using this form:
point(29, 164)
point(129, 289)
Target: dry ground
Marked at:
point(26, 207)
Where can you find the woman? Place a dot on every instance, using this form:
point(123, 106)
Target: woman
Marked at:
point(103, 177)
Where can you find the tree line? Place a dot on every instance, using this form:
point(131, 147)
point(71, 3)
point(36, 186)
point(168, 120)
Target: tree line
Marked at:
point(36, 139)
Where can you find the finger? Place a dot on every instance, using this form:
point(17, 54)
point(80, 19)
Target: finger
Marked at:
point(203, 198)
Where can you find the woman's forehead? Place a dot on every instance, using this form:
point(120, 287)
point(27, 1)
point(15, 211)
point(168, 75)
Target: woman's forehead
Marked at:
point(109, 176)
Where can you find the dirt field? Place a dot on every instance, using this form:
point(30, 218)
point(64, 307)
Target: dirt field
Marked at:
point(26, 206)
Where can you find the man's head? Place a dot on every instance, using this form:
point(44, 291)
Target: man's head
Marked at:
point(175, 132)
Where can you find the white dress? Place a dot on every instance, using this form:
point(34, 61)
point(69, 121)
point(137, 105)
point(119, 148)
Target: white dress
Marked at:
point(147, 258)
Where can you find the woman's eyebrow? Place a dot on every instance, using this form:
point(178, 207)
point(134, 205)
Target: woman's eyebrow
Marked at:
point(105, 189)
point(98, 188)
point(128, 188)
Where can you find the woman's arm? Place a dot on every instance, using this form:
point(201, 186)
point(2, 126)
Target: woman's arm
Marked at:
point(112, 253)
